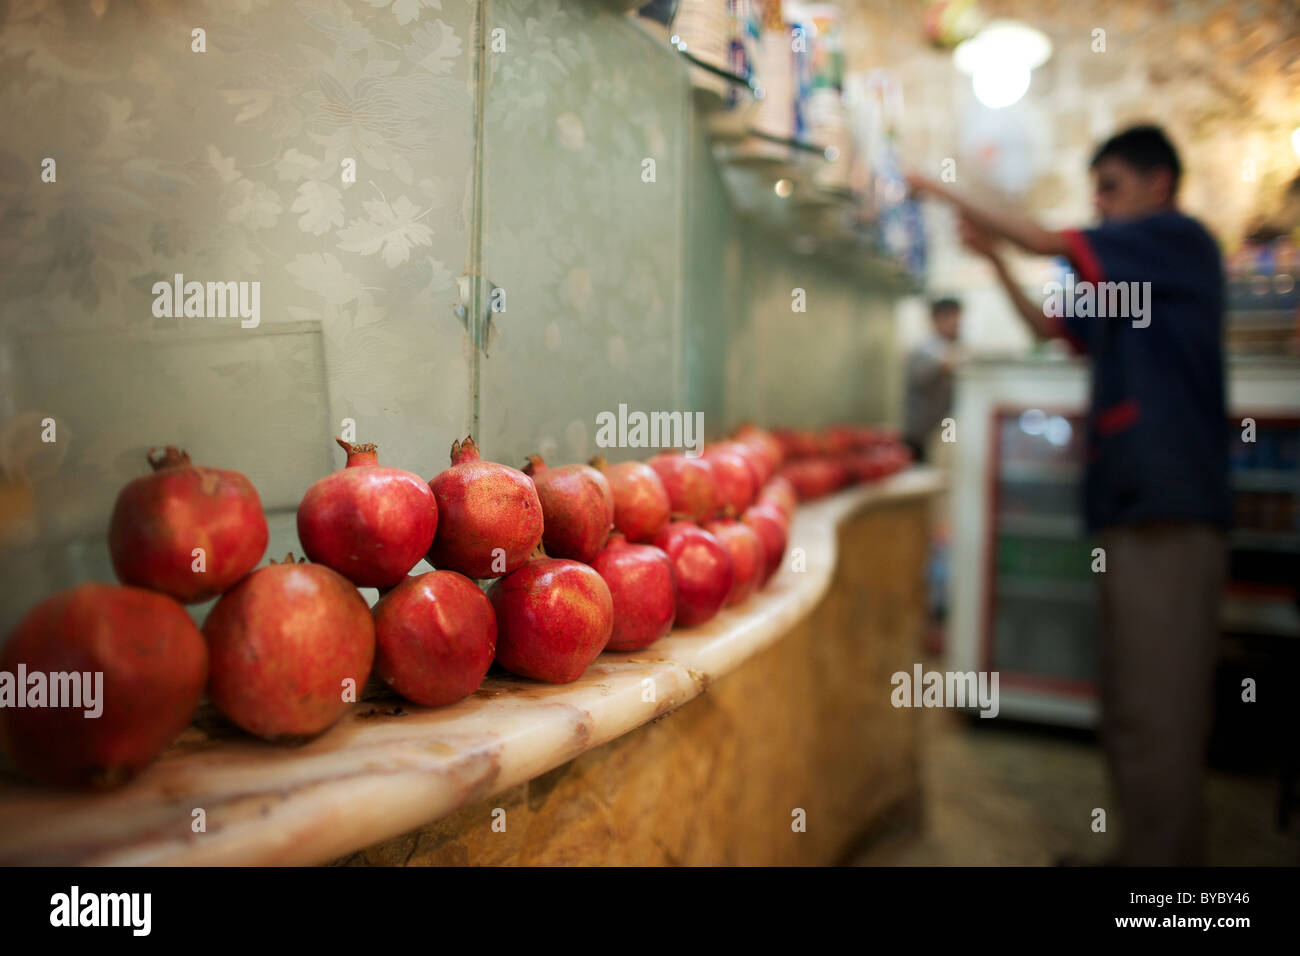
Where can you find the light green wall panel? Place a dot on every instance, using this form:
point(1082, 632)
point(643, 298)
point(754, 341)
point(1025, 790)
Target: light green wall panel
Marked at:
point(541, 156)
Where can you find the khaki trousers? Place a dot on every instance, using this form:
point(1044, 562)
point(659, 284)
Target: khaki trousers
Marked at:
point(1160, 598)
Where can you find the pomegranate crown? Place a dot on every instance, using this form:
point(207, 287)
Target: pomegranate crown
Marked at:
point(598, 462)
point(533, 465)
point(172, 457)
point(365, 454)
point(463, 451)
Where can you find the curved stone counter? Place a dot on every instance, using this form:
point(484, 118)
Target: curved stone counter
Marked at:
point(523, 772)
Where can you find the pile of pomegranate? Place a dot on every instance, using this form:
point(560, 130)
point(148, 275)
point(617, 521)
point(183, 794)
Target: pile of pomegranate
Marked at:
point(576, 559)
point(818, 463)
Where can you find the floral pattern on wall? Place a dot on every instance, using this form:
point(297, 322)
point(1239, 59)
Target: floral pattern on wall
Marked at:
point(587, 248)
point(226, 156)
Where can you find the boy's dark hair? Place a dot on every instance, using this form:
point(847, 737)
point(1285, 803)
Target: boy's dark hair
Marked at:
point(1145, 148)
point(947, 304)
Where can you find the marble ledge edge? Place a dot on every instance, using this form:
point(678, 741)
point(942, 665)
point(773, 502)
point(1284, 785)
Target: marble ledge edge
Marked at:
point(370, 779)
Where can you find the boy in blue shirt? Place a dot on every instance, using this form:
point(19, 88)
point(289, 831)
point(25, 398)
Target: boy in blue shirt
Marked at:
point(1145, 302)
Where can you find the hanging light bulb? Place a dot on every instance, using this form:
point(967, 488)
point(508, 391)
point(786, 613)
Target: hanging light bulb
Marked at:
point(1000, 59)
point(1000, 84)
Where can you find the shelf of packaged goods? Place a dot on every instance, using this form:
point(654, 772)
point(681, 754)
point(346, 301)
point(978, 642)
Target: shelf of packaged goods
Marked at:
point(1026, 587)
point(1274, 318)
point(1040, 526)
point(1266, 479)
point(1260, 615)
point(1039, 472)
point(1246, 539)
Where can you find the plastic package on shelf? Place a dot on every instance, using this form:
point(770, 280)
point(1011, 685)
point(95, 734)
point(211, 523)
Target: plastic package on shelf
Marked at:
point(704, 29)
point(823, 118)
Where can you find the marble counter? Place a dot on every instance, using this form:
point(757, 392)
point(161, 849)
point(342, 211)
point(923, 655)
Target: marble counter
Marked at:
point(388, 768)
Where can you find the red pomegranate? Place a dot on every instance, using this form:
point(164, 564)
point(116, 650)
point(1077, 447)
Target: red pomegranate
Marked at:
point(773, 529)
point(702, 567)
point(781, 493)
point(754, 458)
point(288, 644)
point(803, 443)
point(577, 508)
point(435, 635)
point(640, 579)
point(187, 531)
point(368, 522)
point(815, 477)
point(864, 437)
point(733, 477)
point(489, 516)
point(152, 664)
point(870, 465)
point(554, 617)
point(764, 442)
point(692, 489)
point(748, 556)
point(641, 505)
point(841, 439)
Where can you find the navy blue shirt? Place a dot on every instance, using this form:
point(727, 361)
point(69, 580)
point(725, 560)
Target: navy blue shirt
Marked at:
point(1156, 432)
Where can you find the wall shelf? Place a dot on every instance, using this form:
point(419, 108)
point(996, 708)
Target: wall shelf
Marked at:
point(777, 184)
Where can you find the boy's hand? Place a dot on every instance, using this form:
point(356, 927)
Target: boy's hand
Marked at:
point(976, 239)
point(920, 186)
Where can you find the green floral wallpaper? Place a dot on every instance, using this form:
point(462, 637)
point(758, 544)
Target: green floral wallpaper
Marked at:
point(585, 159)
point(320, 149)
point(437, 216)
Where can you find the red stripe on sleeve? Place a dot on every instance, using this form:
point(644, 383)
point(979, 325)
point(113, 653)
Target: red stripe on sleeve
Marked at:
point(1117, 417)
point(1082, 256)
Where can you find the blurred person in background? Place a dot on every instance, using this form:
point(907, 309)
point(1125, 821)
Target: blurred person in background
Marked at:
point(930, 367)
point(927, 402)
point(1156, 486)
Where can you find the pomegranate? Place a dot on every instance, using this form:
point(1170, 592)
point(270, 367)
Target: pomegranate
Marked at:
point(764, 442)
point(748, 556)
point(153, 664)
point(754, 458)
point(868, 466)
point(368, 522)
point(791, 443)
point(733, 477)
point(577, 508)
point(781, 493)
point(435, 635)
point(641, 505)
point(692, 489)
point(815, 477)
point(774, 531)
point(702, 567)
point(489, 516)
point(190, 532)
point(864, 437)
point(285, 642)
point(640, 579)
point(554, 617)
point(841, 439)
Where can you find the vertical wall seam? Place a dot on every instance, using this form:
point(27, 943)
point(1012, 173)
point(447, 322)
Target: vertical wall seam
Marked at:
point(475, 265)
